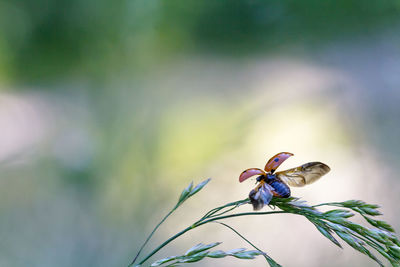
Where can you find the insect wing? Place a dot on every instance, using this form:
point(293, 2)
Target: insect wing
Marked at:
point(274, 162)
point(249, 173)
point(261, 196)
point(304, 174)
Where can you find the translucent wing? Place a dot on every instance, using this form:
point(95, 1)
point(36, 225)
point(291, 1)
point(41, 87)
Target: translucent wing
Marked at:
point(304, 174)
point(250, 172)
point(261, 196)
point(274, 162)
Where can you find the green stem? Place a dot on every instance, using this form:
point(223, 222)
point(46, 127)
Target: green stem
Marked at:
point(151, 234)
point(336, 204)
point(223, 212)
point(251, 244)
point(235, 204)
point(374, 245)
point(164, 244)
point(198, 223)
point(371, 242)
point(201, 222)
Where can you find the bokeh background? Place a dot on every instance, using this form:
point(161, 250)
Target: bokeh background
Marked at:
point(108, 109)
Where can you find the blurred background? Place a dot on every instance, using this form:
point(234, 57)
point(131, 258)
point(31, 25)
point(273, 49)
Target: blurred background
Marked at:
point(108, 109)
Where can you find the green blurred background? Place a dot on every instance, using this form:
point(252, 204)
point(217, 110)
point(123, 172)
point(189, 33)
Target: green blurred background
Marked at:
point(108, 109)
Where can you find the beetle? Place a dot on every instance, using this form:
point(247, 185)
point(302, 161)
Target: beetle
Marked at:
point(276, 184)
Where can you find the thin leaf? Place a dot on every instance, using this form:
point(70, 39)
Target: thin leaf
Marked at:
point(236, 250)
point(352, 203)
point(379, 249)
point(395, 251)
point(352, 241)
point(273, 263)
point(385, 225)
point(250, 254)
point(185, 193)
point(338, 220)
point(380, 224)
point(372, 256)
point(356, 227)
point(328, 235)
point(372, 206)
point(339, 213)
point(270, 261)
point(365, 210)
point(395, 263)
point(199, 187)
point(162, 261)
point(300, 203)
point(217, 254)
point(200, 247)
point(193, 257)
point(371, 211)
point(374, 233)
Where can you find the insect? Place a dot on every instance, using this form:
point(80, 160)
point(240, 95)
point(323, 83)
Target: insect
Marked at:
point(276, 184)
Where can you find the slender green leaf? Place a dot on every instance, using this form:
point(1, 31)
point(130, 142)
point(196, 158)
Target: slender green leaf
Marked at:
point(339, 213)
point(185, 193)
point(352, 203)
point(199, 187)
point(374, 234)
point(352, 241)
point(200, 247)
point(380, 224)
point(162, 261)
point(356, 227)
point(395, 251)
point(385, 225)
point(395, 263)
point(273, 263)
point(236, 250)
point(372, 256)
point(250, 254)
point(217, 254)
point(372, 212)
point(369, 211)
point(338, 220)
point(328, 235)
point(270, 261)
point(193, 257)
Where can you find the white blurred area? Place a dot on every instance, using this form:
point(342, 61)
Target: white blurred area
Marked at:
point(22, 125)
point(33, 124)
point(234, 116)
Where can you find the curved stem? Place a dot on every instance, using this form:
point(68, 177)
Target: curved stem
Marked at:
point(371, 242)
point(209, 213)
point(245, 239)
point(164, 244)
point(327, 204)
point(151, 234)
point(201, 222)
point(374, 245)
point(223, 212)
point(196, 224)
point(235, 204)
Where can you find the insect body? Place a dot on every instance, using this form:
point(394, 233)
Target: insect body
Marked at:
point(280, 189)
point(276, 184)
